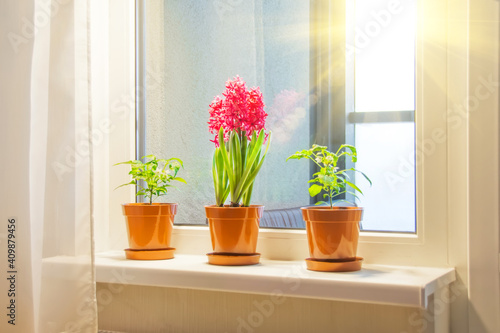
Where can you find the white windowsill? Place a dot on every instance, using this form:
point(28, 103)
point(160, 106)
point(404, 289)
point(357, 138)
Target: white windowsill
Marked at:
point(396, 285)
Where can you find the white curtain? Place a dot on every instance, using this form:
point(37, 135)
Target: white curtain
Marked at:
point(48, 166)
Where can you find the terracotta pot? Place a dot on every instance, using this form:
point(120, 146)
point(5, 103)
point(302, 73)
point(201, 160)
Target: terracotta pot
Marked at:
point(234, 229)
point(332, 234)
point(149, 227)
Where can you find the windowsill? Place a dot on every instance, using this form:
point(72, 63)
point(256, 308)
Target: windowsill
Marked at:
point(395, 285)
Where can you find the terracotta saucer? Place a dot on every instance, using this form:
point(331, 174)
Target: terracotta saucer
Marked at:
point(233, 259)
point(156, 254)
point(321, 265)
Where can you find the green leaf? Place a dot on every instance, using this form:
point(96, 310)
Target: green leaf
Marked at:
point(247, 196)
point(244, 146)
point(342, 200)
point(316, 148)
point(220, 178)
point(315, 190)
point(179, 179)
point(131, 183)
point(319, 203)
point(353, 186)
point(354, 194)
point(251, 160)
point(214, 175)
point(350, 147)
point(129, 162)
point(236, 156)
point(225, 157)
point(366, 177)
point(255, 169)
point(175, 159)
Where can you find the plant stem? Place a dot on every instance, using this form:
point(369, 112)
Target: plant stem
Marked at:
point(330, 196)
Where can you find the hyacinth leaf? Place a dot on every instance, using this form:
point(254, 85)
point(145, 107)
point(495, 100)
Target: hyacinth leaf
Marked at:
point(244, 143)
point(215, 177)
point(244, 185)
point(248, 189)
point(236, 154)
point(235, 160)
point(230, 147)
point(220, 178)
point(251, 160)
point(236, 164)
point(225, 157)
point(256, 170)
point(247, 196)
point(248, 186)
point(224, 184)
point(251, 147)
point(221, 171)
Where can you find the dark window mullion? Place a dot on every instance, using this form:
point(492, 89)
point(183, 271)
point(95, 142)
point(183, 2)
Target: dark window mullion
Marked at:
point(332, 80)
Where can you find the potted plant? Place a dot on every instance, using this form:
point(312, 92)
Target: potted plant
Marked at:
point(149, 224)
point(237, 120)
point(332, 232)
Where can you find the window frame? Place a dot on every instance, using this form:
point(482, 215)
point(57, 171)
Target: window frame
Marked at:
point(428, 247)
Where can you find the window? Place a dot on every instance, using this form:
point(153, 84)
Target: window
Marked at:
point(383, 117)
point(191, 51)
point(435, 75)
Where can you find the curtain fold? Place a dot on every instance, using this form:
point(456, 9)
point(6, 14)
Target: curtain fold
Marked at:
point(47, 169)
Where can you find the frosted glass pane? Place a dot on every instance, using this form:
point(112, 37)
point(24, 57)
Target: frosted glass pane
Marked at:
point(385, 55)
point(196, 46)
point(386, 154)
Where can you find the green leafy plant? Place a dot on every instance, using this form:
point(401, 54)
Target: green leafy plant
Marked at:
point(153, 177)
point(236, 164)
point(330, 179)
